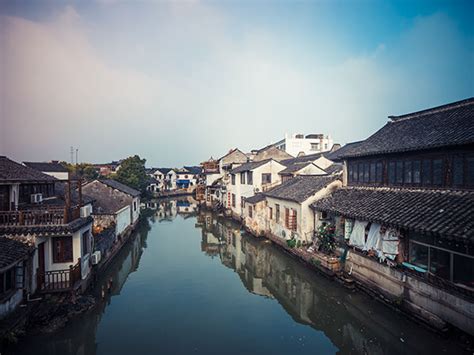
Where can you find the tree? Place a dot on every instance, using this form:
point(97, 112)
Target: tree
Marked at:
point(132, 173)
point(84, 171)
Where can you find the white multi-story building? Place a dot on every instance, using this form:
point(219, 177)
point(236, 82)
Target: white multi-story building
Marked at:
point(296, 144)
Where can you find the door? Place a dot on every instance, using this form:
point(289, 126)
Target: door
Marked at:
point(41, 268)
point(4, 198)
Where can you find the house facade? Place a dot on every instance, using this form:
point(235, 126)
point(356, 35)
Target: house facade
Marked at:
point(288, 205)
point(406, 211)
point(296, 144)
point(249, 179)
point(55, 223)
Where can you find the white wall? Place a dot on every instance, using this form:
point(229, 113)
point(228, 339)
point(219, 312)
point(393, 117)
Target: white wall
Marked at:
point(122, 220)
point(304, 217)
point(57, 175)
point(135, 209)
point(245, 190)
point(294, 145)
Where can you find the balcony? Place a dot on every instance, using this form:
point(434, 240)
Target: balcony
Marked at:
point(39, 216)
point(59, 280)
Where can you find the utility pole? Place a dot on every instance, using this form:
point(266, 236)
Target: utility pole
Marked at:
point(77, 150)
point(72, 155)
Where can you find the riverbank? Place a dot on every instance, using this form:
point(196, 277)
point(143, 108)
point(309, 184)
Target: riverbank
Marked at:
point(336, 268)
point(48, 313)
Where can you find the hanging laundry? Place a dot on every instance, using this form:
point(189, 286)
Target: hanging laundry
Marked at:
point(357, 238)
point(373, 237)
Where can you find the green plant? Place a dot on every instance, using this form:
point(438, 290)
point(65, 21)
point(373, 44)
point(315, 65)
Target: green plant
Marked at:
point(326, 237)
point(291, 243)
point(298, 244)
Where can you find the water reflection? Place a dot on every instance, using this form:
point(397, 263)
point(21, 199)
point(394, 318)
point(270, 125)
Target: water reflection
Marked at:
point(353, 322)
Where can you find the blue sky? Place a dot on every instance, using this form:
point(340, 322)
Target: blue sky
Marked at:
point(178, 82)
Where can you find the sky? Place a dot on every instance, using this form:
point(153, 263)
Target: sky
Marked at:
point(180, 81)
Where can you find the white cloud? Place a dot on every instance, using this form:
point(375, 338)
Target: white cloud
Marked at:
point(202, 88)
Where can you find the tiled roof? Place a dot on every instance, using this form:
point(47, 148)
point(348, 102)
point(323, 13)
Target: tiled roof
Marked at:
point(107, 200)
point(291, 168)
point(193, 169)
point(345, 150)
point(446, 213)
point(12, 251)
point(334, 168)
point(47, 230)
point(303, 159)
point(447, 125)
point(163, 170)
point(255, 198)
point(121, 187)
point(60, 198)
point(47, 167)
point(249, 166)
point(11, 171)
point(300, 188)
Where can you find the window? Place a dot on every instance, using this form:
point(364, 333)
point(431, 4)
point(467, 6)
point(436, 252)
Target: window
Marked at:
point(372, 172)
point(361, 172)
point(185, 176)
point(438, 177)
point(250, 177)
point(250, 211)
point(7, 281)
point(314, 146)
point(440, 263)
point(266, 178)
point(419, 255)
point(416, 172)
point(366, 172)
point(350, 172)
point(62, 249)
point(134, 205)
point(270, 213)
point(463, 272)
point(379, 177)
point(399, 178)
point(470, 171)
point(85, 243)
point(355, 173)
point(233, 200)
point(458, 170)
point(242, 178)
point(426, 172)
point(277, 213)
point(408, 172)
point(391, 173)
point(233, 179)
point(287, 217)
point(242, 202)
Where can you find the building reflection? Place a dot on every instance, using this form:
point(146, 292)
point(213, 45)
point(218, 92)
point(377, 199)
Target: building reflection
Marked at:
point(310, 299)
point(168, 209)
point(79, 337)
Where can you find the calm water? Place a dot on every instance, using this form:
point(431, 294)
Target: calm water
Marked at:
point(192, 283)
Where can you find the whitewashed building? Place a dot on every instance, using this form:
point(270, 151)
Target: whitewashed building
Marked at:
point(296, 144)
point(249, 179)
point(289, 214)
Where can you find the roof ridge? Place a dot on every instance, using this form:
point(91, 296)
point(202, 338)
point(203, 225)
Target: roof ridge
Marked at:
point(442, 108)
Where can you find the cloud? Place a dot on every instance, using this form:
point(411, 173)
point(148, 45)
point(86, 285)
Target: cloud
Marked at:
point(185, 83)
point(58, 91)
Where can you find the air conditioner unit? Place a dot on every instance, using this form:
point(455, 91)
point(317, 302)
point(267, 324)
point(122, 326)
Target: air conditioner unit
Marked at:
point(36, 198)
point(95, 259)
point(86, 211)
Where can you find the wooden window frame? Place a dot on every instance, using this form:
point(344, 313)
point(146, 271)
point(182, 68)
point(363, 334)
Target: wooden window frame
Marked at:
point(63, 255)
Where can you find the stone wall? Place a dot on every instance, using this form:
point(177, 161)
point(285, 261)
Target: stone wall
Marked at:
point(413, 294)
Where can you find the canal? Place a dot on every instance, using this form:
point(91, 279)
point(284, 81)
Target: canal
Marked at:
point(191, 282)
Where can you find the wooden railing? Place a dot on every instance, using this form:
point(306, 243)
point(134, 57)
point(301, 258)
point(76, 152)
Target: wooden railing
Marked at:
point(59, 280)
point(40, 216)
